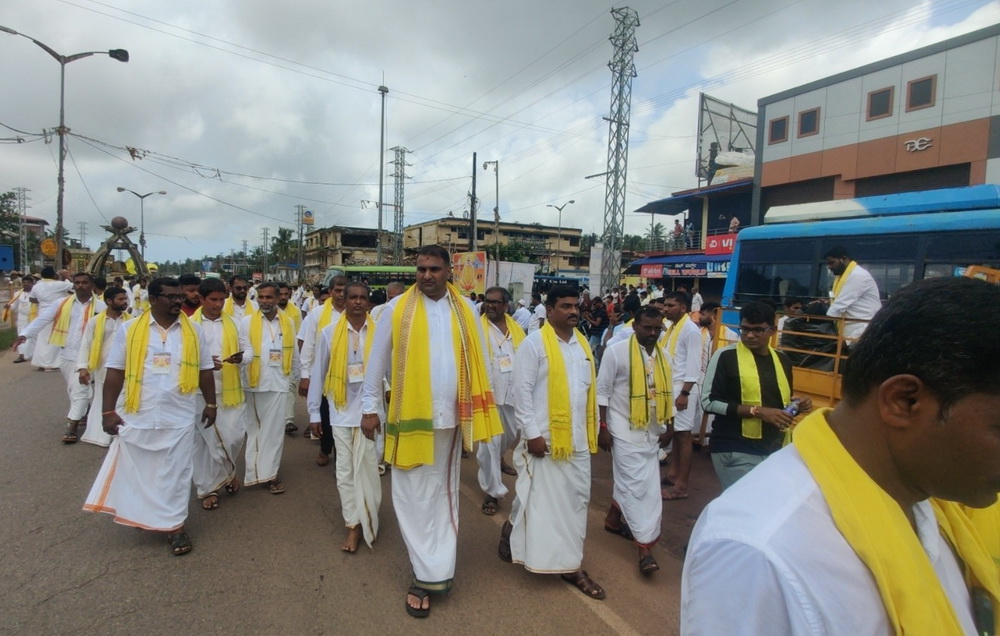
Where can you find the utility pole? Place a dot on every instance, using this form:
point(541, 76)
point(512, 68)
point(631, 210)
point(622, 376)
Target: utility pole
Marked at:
point(246, 246)
point(473, 238)
point(22, 227)
point(399, 174)
point(381, 171)
point(300, 211)
point(496, 218)
point(622, 66)
point(264, 272)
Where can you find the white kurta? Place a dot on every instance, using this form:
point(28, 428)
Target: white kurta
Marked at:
point(685, 366)
point(426, 498)
point(21, 308)
point(94, 433)
point(489, 453)
point(266, 402)
point(217, 448)
point(145, 480)
point(767, 558)
point(858, 300)
point(357, 463)
point(635, 452)
point(549, 513)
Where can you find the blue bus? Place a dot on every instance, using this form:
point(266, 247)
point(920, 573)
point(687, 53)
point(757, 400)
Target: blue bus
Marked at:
point(899, 238)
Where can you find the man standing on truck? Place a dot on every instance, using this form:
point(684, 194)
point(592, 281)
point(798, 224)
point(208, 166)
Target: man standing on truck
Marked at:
point(854, 295)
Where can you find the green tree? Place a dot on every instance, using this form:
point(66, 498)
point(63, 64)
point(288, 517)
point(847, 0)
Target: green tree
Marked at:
point(514, 251)
point(284, 246)
point(656, 237)
point(10, 226)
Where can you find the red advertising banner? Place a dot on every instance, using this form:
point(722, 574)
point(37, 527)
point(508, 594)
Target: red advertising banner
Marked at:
point(651, 271)
point(720, 244)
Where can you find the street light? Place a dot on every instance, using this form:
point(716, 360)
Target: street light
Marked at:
point(559, 231)
point(119, 54)
point(496, 216)
point(142, 215)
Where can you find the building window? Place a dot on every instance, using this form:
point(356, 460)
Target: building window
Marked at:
point(880, 103)
point(778, 130)
point(920, 93)
point(809, 122)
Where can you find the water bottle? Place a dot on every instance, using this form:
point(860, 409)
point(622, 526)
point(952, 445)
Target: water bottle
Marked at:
point(792, 408)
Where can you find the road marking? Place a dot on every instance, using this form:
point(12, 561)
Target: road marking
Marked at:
point(599, 608)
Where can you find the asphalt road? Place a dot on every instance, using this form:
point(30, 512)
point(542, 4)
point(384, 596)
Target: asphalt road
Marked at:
point(265, 564)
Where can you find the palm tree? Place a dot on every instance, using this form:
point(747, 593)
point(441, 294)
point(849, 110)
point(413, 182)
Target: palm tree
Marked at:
point(284, 247)
point(656, 236)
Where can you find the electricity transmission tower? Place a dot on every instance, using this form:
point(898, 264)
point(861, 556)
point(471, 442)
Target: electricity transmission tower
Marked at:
point(82, 226)
point(399, 173)
point(22, 227)
point(622, 66)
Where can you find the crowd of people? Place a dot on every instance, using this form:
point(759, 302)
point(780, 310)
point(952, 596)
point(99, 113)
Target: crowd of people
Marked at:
point(202, 372)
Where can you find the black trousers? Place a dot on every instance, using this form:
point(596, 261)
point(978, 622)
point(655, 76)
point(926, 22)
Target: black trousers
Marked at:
point(326, 433)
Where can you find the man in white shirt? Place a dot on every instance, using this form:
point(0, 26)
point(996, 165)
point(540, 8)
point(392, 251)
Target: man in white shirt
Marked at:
point(314, 323)
point(636, 510)
point(238, 306)
point(161, 360)
point(537, 313)
point(95, 348)
point(217, 449)
point(872, 521)
point(65, 322)
point(683, 345)
point(271, 340)
point(503, 336)
point(20, 310)
point(854, 295)
point(347, 341)
point(696, 300)
point(393, 289)
point(140, 295)
point(522, 316)
point(46, 292)
point(553, 381)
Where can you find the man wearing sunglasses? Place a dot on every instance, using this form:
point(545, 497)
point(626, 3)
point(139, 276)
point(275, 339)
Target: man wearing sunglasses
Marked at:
point(747, 387)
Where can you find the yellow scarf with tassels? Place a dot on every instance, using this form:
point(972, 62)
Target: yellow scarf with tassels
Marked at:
point(294, 313)
point(287, 343)
point(560, 415)
point(136, 344)
point(674, 333)
point(513, 330)
point(409, 440)
point(60, 324)
point(750, 392)
point(878, 531)
point(638, 387)
point(838, 281)
point(232, 386)
point(335, 386)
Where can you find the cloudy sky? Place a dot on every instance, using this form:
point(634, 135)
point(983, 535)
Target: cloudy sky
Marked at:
point(242, 109)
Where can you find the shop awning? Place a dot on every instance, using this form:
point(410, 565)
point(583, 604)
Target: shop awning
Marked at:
point(682, 201)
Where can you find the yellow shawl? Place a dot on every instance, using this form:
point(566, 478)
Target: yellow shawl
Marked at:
point(838, 281)
point(750, 392)
point(141, 304)
point(136, 344)
point(7, 317)
point(638, 387)
point(409, 440)
point(560, 414)
point(513, 329)
point(229, 309)
point(336, 375)
point(232, 386)
point(60, 324)
point(674, 333)
point(287, 344)
point(878, 531)
point(325, 315)
point(293, 313)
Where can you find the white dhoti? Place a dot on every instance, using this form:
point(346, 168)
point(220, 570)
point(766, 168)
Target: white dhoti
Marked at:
point(94, 433)
point(265, 422)
point(689, 419)
point(293, 393)
point(27, 349)
point(489, 453)
point(45, 355)
point(636, 471)
point(357, 480)
point(79, 394)
point(426, 503)
point(145, 481)
point(549, 514)
point(217, 447)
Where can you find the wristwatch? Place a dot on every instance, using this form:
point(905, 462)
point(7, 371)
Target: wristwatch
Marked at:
point(685, 393)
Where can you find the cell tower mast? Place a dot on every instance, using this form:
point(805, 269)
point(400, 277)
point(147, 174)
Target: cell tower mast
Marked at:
point(399, 174)
point(622, 66)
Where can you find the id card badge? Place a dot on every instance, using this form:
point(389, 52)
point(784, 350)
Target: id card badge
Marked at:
point(506, 363)
point(355, 372)
point(274, 358)
point(161, 363)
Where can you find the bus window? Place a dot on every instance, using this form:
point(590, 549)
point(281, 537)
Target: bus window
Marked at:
point(965, 247)
point(889, 277)
point(773, 282)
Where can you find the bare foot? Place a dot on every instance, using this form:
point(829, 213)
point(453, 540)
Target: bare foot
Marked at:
point(351, 540)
